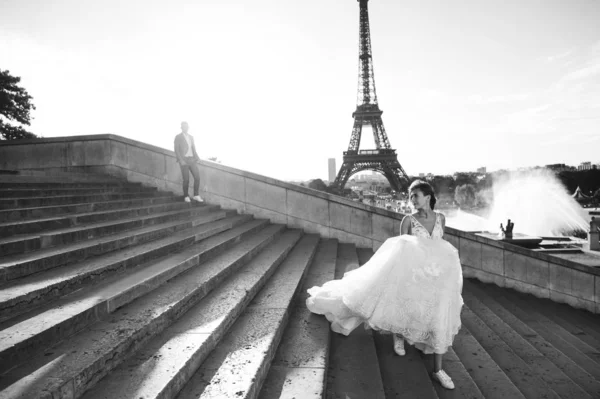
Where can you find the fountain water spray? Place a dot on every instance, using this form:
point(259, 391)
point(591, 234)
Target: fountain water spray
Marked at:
point(536, 201)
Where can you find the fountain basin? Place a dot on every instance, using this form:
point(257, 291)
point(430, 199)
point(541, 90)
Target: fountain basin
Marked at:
point(519, 239)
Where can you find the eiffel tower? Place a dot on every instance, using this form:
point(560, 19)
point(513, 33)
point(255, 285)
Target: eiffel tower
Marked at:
point(382, 159)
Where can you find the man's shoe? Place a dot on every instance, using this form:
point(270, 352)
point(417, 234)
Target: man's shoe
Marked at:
point(187, 199)
point(198, 198)
point(444, 379)
point(399, 345)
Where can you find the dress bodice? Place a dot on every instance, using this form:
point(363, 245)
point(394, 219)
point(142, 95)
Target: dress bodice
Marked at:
point(417, 229)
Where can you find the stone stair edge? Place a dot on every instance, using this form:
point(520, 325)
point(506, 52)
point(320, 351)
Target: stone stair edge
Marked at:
point(13, 297)
point(16, 203)
point(553, 376)
point(74, 217)
point(251, 342)
point(6, 214)
point(49, 237)
point(127, 287)
point(30, 263)
point(564, 363)
point(202, 327)
point(301, 361)
point(166, 304)
point(22, 193)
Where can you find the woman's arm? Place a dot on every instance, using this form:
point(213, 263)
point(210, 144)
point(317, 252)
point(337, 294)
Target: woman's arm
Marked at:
point(405, 225)
point(443, 224)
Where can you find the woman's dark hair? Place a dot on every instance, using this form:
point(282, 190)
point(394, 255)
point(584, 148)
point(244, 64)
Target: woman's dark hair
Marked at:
point(426, 189)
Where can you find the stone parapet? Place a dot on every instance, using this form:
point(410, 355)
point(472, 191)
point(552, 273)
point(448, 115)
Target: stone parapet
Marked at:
point(313, 211)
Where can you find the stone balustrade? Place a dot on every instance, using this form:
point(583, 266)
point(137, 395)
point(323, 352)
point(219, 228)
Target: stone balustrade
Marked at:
point(330, 216)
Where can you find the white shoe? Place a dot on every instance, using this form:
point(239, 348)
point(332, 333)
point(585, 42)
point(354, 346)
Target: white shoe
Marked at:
point(187, 199)
point(399, 345)
point(444, 379)
point(198, 198)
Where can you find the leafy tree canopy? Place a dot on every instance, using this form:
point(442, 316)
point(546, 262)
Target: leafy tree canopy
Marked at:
point(15, 106)
point(465, 195)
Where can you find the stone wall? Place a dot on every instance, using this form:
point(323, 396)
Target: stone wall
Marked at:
point(524, 270)
point(298, 207)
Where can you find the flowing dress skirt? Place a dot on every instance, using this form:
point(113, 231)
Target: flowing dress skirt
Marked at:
point(410, 286)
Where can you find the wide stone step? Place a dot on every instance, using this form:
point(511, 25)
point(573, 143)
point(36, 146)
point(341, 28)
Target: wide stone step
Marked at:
point(22, 243)
point(489, 377)
point(237, 367)
point(488, 295)
point(62, 318)
point(582, 331)
point(11, 203)
point(299, 368)
point(23, 176)
point(22, 214)
point(353, 363)
point(532, 386)
point(403, 376)
point(579, 352)
point(538, 364)
point(202, 329)
point(37, 225)
point(76, 365)
point(28, 292)
point(465, 387)
point(59, 192)
point(46, 184)
point(578, 322)
point(21, 265)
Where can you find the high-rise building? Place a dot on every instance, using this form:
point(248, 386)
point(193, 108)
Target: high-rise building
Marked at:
point(332, 170)
point(482, 170)
point(585, 166)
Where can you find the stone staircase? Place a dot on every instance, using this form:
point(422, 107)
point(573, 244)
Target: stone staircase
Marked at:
point(113, 290)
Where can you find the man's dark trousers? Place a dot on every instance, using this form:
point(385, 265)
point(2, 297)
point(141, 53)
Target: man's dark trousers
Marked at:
point(188, 166)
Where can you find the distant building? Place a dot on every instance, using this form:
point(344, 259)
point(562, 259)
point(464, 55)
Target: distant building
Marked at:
point(421, 175)
point(332, 170)
point(482, 170)
point(585, 166)
point(558, 167)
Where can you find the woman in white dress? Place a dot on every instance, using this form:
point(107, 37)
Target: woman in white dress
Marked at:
point(410, 287)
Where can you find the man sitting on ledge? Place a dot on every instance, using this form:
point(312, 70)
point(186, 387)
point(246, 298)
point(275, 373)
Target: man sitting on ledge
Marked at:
point(187, 157)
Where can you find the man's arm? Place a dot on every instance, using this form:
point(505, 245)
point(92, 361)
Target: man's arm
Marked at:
point(178, 151)
point(196, 157)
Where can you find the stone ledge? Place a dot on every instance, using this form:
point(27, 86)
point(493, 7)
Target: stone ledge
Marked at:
point(229, 169)
point(524, 251)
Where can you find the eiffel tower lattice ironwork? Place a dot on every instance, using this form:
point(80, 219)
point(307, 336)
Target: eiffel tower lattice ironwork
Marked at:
point(382, 159)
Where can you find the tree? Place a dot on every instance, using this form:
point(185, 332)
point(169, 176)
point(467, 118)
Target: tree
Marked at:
point(15, 105)
point(317, 184)
point(465, 195)
point(462, 178)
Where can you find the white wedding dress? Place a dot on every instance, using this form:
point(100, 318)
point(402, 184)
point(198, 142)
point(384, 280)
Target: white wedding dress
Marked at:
point(411, 286)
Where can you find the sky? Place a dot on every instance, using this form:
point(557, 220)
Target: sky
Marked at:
point(269, 86)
